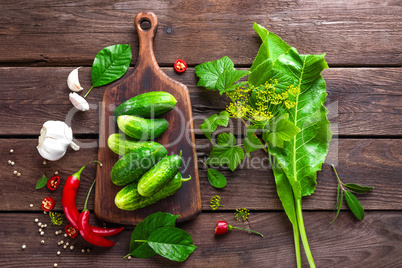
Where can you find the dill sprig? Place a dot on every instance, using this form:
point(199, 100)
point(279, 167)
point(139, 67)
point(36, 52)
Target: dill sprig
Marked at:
point(55, 218)
point(242, 214)
point(259, 104)
point(215, 202)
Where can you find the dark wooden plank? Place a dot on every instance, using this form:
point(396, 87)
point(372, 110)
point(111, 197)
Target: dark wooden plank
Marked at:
point(71, 33)
point(363, 101)
point(369, 162)
point(375, 242)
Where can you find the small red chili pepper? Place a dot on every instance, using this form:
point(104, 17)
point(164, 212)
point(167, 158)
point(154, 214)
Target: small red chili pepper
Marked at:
point(70, 207)
point(223, 227)
point(180, 66)
point(53, 183)
point(86, 230)
point(48, 204)
point(71, 231)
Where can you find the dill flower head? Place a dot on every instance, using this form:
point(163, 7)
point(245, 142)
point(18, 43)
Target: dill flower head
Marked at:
point(242, 214)
point(215, 202)
point(55, 218)
point(260, 104)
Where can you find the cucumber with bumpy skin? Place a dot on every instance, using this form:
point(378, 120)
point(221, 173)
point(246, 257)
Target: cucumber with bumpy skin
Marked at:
point(128, 198)
point(133, 165)
point(159, 175)
point(122, 144)
point(148, 105)
point(141, 128)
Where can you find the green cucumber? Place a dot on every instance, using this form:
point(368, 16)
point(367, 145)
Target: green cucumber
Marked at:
point(159, 175)
point(141, 128)
point(148, 105)
point(122, 144)
point(128, 198)
point(133, 165)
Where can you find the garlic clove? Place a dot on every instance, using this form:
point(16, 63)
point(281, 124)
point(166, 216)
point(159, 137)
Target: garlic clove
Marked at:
point(72, 81)
point(79, 102)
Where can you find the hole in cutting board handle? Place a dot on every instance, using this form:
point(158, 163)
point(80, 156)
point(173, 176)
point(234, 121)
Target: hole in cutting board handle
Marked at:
point(145, 24)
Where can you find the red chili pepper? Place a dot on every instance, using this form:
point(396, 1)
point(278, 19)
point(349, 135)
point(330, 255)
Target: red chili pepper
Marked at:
point(180, 66)
point(222, 227)
point(86, 230)
point(71, 231)
point(47, 204)
point(70, 207)
point(53, 183)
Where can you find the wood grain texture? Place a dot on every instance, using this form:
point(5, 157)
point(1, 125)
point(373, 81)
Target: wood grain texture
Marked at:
point(368, 162)
point(373, 243)
point(351, 32)
point(178, 138)
point(363, 101)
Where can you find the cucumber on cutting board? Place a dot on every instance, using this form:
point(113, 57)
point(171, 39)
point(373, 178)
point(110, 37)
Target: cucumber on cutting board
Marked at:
point(142, 128)
point(122, 144)
point(128, 198)
point(149, 105)
point(159, 175)
point(133, 165)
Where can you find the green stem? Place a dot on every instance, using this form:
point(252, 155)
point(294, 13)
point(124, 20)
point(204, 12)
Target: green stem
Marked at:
point(297, 244)
point(77, 174)
point(140, 241)
point(303, 233)
point(88, 91)
point(244, 229)
point(187, 179)
point(89, 192)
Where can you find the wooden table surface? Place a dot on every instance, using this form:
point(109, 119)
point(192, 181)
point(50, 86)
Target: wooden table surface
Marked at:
point(42, 41)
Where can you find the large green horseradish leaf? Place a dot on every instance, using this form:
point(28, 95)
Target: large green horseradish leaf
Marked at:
point(302, 156)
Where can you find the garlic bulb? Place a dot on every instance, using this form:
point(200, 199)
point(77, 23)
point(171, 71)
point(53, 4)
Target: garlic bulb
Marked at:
point(79, 102)
point(54, 139)
point(72, 81)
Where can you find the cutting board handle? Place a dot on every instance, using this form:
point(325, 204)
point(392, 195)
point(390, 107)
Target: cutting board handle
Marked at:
point(146, 55)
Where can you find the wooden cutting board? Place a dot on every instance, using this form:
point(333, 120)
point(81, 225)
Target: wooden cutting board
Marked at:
point(146, 77)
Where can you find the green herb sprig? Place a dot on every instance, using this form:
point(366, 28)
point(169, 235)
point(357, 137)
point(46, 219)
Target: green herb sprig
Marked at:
point(351, 200)
point(41, 182)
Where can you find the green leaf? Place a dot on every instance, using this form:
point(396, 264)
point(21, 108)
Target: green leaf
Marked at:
point(281, 130)
point(110, 64)
point(358, 188)
point(226, 152)
point(252, 143)
point(273, 44)
point(218, 75)
point(41, 182)
point(354, 205)
point(216, 179)
point(211, 123)
point(303, 155)
point(172, 243)
point(143, 230)
point(339, 204)
point(285, 192)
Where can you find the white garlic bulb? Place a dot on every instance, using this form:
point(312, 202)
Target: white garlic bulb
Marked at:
point(72, 81)
point(79, 102)
point(54, 139)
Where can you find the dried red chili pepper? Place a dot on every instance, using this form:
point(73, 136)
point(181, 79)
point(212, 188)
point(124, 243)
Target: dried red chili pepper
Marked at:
point(86, 230)
point(71, 231)
point(47, 204)
point(180, 66)
point(53, 183)
point(222, 227)
point(70, 207)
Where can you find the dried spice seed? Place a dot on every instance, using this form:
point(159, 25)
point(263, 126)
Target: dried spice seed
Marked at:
point(42, 242)
point(11, 151)
point(24, 246)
